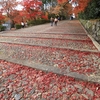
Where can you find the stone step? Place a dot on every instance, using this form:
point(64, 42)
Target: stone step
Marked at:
point(82, 45)
point(47, 35)
point(17, 80)
point(81, 65)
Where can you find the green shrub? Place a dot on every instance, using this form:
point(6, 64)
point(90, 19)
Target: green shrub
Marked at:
point(2, 28)
point(31, 23)
point(37, 22)
point(41, 21)
point(18, 26)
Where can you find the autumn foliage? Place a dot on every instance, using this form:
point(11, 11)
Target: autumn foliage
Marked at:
point(82, 4)
point(77, 9)
point(1, 17)
point(32, 9)
point(62, 1)
point(7, 6)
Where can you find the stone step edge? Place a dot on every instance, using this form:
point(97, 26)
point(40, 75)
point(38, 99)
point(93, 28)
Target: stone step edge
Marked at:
point(38, 37)
point(95, 42)
point(46, 68)
point(50, 46)
point(43, 33)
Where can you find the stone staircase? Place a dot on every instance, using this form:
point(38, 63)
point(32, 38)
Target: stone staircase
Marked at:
point(49, 63)
point(64, 49)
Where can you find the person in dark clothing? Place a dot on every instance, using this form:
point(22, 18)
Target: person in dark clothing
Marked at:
point(51, 21)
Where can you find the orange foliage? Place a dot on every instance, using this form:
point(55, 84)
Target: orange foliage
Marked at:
point(62, 1)
point(1, 17)
point(82, 5)
point(32, 7)
point(44, 17)
point(69, 10)
point(8, 6)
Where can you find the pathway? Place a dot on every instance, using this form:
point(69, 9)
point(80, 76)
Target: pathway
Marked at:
point(49, 63)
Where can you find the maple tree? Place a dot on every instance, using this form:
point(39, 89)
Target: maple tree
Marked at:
point(82, 4)
point(1, 17)
point(63, 8)
point(8, 6)
point(32, 9)
point(75, 6)
point(16, 16)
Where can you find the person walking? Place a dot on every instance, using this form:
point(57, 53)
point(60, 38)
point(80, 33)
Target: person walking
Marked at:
point(22, 24)
point(51, 21)
point(56, 21)
point(26, 24)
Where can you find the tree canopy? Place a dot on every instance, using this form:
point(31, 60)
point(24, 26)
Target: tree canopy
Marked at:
point(8, 6)
point(32, 8)
point(68, 7)
point(92, 11)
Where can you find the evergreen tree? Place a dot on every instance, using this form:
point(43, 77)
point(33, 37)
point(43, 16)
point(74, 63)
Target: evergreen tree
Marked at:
point(92, 11)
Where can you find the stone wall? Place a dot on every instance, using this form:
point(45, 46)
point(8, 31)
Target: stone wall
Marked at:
point(93, 28)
